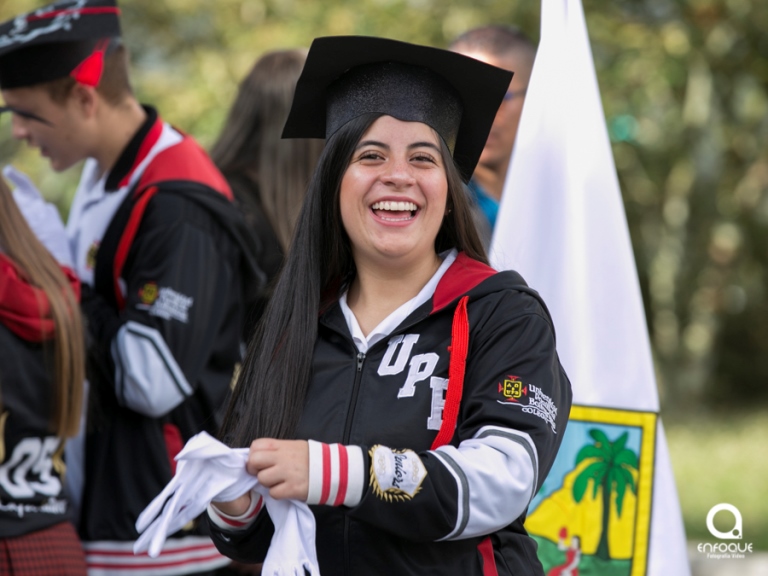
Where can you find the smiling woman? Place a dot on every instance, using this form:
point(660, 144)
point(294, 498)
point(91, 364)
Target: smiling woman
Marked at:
point(393, 197)
point(396, 383)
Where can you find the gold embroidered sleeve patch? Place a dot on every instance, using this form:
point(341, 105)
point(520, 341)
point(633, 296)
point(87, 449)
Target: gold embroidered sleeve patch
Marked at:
point(396, 475)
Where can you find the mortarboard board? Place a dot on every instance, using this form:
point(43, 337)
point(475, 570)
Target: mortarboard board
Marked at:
point(347, 76)
point(66, 38)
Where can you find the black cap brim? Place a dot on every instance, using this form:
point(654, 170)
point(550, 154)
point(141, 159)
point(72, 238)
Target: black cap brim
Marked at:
point(480, 86)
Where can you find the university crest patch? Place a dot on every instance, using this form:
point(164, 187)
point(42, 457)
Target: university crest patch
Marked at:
point(528, 397)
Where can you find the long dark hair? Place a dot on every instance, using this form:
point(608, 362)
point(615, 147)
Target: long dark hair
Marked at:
point(269, 395)
point(249, 147)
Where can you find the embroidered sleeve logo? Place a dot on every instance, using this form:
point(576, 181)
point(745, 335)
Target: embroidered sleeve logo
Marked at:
point(396, 475)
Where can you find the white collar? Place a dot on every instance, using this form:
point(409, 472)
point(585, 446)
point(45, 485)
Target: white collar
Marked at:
point(392, 321)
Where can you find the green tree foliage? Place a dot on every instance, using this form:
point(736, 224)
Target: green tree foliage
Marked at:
point(685, 91)
point(610, 472)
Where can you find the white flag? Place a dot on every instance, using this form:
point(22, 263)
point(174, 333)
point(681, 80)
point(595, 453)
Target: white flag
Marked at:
point(609, 504)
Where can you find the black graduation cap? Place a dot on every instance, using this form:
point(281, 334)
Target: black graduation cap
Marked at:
point(347, 76)
point(66, 38)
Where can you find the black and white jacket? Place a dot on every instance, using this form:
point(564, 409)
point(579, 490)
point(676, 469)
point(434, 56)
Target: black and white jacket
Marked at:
point(424, 458)
point(167, 265)
point(32, 492)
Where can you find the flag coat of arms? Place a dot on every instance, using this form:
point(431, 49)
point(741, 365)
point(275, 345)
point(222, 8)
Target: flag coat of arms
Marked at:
point(609, 505)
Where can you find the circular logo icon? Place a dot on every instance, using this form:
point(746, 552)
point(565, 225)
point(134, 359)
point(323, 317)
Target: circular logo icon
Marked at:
point(735, 533)
point(148, 293)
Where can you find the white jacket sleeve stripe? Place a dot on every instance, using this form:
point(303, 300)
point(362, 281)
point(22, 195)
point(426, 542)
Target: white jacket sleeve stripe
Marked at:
point(521, 438)
point(149, 380)
point(462, 517)
point(336, 474)
point(498, 472)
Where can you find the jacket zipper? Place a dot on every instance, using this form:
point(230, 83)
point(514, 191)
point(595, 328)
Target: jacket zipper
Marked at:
point(355, 393)
point(360, 359)
point(345, 440)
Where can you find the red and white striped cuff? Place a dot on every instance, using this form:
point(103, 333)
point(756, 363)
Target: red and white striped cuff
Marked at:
point(336, 474)
point(227, 522)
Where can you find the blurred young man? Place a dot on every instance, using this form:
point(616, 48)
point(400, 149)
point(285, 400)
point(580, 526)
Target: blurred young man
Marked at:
point(164, 260)
point(508, 48)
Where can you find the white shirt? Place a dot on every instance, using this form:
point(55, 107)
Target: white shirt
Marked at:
point(93, 207)
point(385, 327)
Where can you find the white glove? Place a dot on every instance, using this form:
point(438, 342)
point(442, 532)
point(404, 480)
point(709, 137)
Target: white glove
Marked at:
point(292, 550)
point(43, 217)
point(208, 470)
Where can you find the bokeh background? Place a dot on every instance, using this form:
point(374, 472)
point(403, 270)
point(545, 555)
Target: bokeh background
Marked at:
point(685, 91)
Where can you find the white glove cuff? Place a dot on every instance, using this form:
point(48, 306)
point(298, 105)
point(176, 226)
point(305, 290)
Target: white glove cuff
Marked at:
point(336, 474)
point(241, 522)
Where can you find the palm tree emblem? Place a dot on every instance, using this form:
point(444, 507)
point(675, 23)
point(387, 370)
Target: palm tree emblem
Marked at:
point(610, 469)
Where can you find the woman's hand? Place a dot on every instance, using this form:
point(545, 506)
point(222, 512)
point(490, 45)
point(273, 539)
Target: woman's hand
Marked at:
point(282, 466)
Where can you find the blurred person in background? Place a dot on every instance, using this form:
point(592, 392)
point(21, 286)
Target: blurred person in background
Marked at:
point(509, 48)
point(268, 175)
point(165, 261)
point(42, 367)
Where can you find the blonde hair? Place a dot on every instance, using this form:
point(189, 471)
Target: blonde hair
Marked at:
point(42, 271)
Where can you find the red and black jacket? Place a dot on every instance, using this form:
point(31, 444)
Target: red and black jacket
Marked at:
point(491, 338)
point(173, 275)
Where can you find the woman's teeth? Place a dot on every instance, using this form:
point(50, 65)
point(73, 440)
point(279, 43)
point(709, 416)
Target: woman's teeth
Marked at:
point(395, 206)
point(395, 211)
